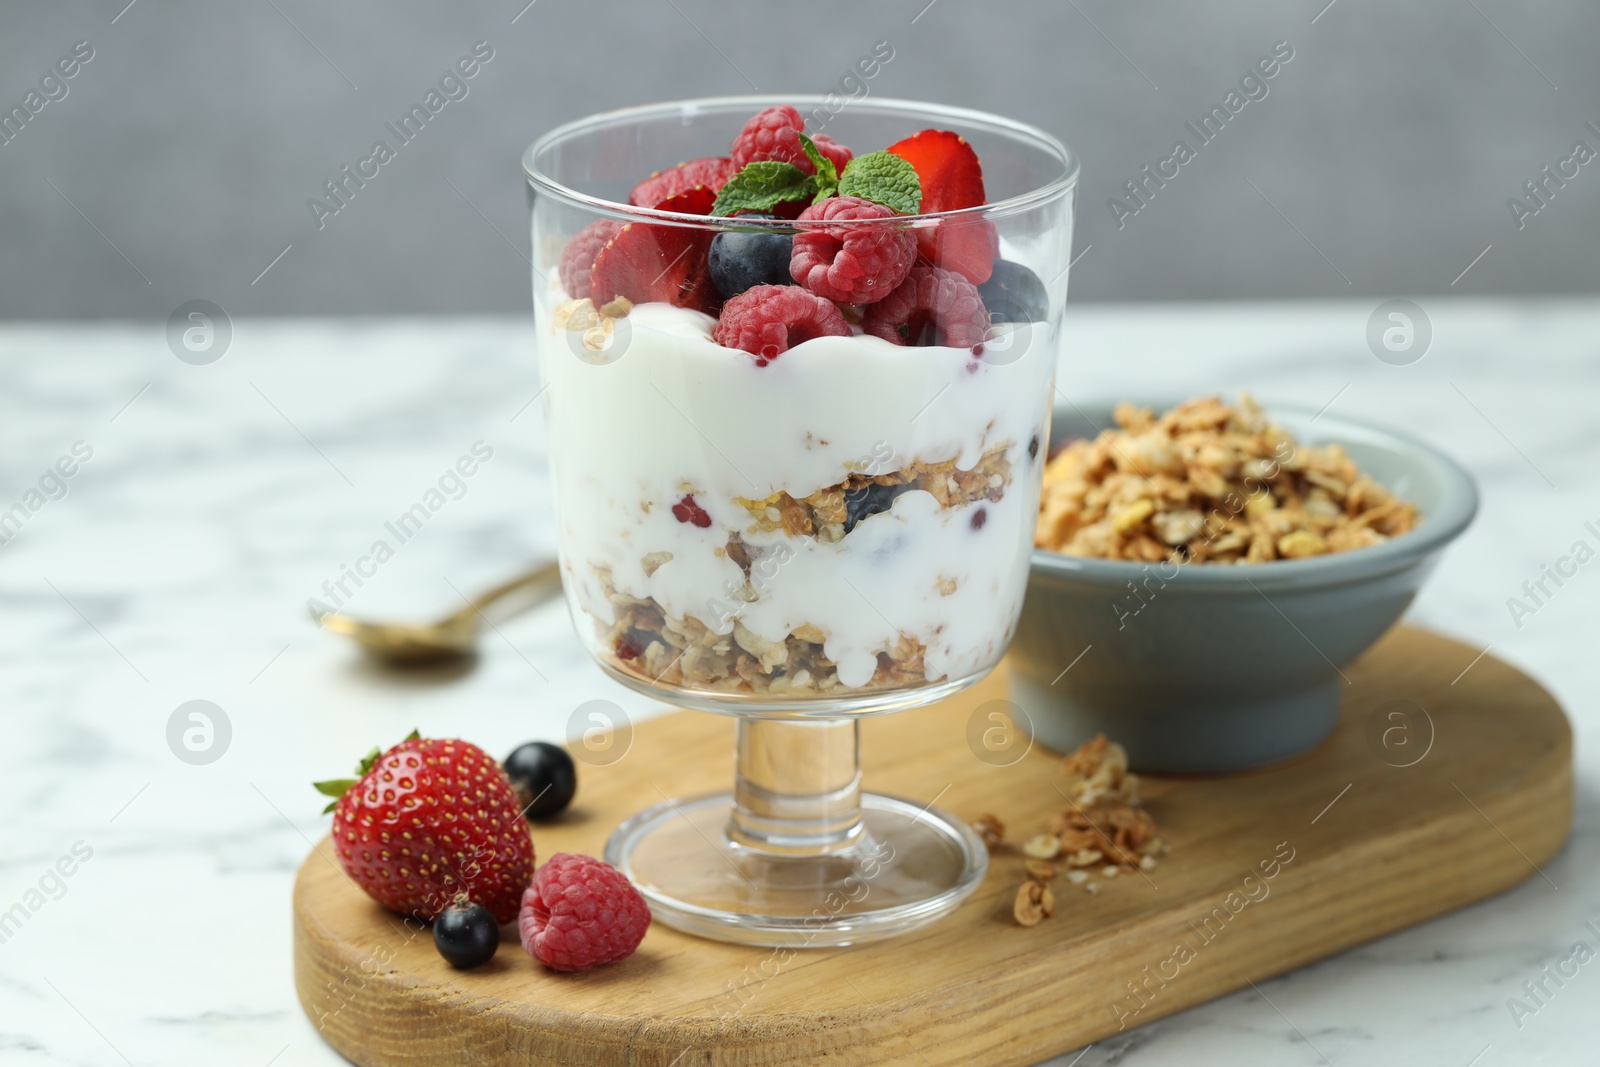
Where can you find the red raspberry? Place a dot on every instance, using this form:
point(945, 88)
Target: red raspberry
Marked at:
point(580, 913)
point(854, 263)
point(772, 134)
point(710, 172)
point(933, 306)
point(775, 134)
point(578, 257)
point(686, 510)
point(833, 150)
point(767, 320)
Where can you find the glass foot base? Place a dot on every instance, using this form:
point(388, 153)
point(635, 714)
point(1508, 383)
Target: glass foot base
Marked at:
point(908, 866)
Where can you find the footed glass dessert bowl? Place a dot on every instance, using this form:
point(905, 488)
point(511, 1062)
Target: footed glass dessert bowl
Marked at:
point(798, 363)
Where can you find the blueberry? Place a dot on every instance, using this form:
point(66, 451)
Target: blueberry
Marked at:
point(466, 935)
point(868, 501)
point(1014, 293)
point(544, 777)
point(743, 259)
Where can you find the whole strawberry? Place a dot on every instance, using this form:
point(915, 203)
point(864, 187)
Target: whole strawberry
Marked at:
point(429, 820)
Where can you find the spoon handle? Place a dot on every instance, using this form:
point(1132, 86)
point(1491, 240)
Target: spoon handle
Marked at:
point(545, 572)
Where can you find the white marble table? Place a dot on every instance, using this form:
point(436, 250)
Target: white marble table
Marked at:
point(219, 498)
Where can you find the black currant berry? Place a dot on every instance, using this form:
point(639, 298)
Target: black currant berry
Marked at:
point(544, 777)
point(466, 935)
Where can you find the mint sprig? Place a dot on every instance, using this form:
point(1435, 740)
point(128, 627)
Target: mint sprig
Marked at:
point(762, 185)
point(827, 176)
point(884, 178)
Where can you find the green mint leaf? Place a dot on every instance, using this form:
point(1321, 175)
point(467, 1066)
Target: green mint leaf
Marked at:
point(331, 805)
point(827, 173)
point(762, 185)
point(883, 178)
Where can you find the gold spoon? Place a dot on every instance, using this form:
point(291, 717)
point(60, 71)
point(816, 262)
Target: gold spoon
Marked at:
point(452, 637)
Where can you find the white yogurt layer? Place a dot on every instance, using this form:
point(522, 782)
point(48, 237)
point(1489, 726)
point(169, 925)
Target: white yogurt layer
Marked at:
point(677, 413)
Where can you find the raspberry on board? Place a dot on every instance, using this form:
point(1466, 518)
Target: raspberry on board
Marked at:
point(581, 913)
point(933, 306)
point(577, 258)
point(852, 263)
point(768, 320)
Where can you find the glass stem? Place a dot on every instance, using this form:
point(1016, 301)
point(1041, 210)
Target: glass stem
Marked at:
point(797, 786)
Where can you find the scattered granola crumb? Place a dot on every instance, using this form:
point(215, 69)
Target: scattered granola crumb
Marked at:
point(1098, 770)
point(991, 829)
point(1209, 483)
point(1104, 829)
point(1039, 870)
point(1042, 847)
point(1033, 904)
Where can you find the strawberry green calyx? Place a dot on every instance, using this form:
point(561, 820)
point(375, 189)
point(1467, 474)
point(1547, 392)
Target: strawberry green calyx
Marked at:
point(338, 787)
point(884, 178)
point(335, 788)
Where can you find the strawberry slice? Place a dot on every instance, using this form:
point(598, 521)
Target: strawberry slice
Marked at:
point(967, 246)
point(650, 262)
point(951, 179)
point(710, 172)
point(947, 167)
point(696, 201)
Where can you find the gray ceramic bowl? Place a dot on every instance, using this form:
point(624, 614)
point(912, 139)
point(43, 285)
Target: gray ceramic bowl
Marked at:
point(1225, 666)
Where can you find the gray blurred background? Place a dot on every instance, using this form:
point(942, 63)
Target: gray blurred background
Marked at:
point(1380, 162)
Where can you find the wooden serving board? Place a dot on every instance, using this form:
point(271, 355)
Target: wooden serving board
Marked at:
point(1374, 848)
